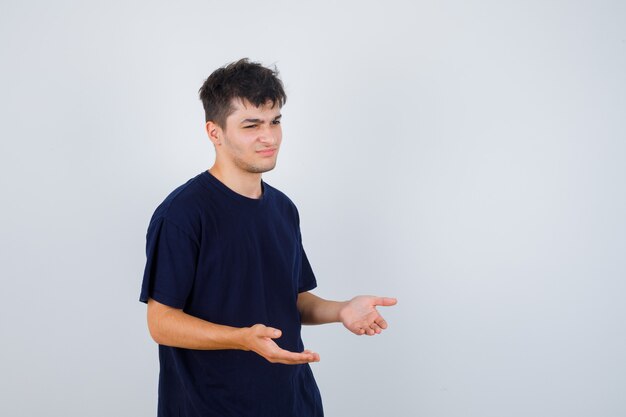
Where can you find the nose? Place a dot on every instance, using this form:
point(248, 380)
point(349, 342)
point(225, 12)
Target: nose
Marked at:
point(269, 135)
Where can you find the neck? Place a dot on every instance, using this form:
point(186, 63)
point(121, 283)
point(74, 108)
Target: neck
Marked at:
point(247, 184)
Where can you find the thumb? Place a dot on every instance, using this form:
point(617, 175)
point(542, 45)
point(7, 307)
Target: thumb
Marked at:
point(386, 301)
point(272, 333)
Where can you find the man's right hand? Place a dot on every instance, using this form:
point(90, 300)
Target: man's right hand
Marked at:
point(259, 339)
point(173, 327)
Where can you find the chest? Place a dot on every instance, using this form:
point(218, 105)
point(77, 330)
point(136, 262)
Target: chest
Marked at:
point(248, 267)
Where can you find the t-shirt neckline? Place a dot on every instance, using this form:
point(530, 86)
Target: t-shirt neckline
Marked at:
point(211, 180)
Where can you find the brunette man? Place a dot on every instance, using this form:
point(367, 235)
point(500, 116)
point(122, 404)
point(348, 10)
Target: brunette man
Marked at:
point(227, 280)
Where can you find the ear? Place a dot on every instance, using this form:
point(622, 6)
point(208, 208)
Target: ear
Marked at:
point(214, 132)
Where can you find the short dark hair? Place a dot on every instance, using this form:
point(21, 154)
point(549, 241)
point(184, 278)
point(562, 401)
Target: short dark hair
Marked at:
point(244, 80)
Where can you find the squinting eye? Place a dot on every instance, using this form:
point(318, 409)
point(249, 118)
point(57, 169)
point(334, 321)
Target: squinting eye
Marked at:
point(249, 127)
point(276, 122)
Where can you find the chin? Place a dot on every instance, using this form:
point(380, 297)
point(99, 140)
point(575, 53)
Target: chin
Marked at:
point(256, 169)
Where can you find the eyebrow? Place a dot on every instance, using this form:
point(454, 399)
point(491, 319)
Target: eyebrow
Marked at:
point(259, 120)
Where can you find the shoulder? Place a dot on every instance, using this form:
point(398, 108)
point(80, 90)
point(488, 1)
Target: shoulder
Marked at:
point(282, 201)
point(183, 206)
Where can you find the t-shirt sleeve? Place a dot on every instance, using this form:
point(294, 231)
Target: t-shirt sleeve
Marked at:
point(307, 277)
point(170, 266)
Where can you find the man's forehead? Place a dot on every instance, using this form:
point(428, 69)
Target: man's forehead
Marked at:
point(242, 108)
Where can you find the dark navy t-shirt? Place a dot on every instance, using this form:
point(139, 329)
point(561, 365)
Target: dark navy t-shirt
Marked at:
point(237, 261)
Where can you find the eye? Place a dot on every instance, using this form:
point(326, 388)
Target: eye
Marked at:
point(249, 126)
point(276, 122)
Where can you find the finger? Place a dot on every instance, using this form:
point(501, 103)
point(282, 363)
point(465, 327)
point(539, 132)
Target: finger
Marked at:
point(316, 356)
point(373, 329)
point(376, 328)
point(386, 301)
point(294, 358)
point(381, 322)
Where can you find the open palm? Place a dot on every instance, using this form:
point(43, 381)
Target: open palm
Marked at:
point(360, 316)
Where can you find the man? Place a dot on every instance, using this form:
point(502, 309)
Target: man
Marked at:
point(227, 280)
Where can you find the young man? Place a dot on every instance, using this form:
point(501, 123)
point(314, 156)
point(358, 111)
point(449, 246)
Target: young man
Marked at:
point(227, 280)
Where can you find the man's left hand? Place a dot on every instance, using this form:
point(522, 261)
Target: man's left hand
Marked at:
point(360, 316)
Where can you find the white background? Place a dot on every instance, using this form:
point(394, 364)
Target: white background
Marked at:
point(467, 157)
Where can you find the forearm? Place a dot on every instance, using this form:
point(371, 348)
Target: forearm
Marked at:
point(316, 310)
point(173, 327)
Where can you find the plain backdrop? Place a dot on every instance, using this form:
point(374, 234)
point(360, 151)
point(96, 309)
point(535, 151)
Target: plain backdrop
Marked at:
point(466, 157)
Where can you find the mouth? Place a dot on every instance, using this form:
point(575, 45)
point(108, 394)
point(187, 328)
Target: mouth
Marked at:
point(267, 152)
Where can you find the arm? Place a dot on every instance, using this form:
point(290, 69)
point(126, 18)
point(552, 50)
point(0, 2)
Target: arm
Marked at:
point(359, 315)
point(173, 327)
point(316, 310)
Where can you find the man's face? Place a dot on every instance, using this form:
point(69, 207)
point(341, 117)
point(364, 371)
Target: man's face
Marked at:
point(251, 138)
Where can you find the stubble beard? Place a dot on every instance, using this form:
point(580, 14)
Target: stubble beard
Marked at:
point(254, 169)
